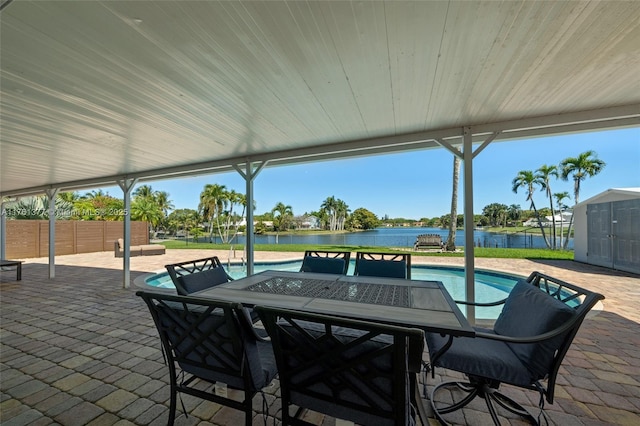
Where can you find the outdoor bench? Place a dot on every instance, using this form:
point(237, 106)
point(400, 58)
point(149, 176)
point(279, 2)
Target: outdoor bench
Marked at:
point(16, 263)
point(428, 241)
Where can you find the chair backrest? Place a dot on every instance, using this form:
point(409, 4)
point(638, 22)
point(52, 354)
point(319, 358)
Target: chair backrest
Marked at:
point(195, 275)
point(391, 265)
point(328, 262)
point(349, 369)
point(539, 305)
point(207, 338)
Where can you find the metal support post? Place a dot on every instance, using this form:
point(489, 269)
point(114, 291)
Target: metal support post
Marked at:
point(51, 195)
point(127, 185)
point(249, 174)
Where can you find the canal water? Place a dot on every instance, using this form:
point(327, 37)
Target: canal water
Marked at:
point(405, 237)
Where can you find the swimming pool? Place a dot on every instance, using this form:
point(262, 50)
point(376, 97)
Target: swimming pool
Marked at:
point(490, 286)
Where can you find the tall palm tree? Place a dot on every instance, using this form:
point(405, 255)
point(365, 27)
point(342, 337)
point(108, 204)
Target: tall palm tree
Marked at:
point(342, 211)
point(163, 201)
point(161, 198)
point(527, 179)
point(560, 196)
point(282, 214)
point(213, 200)
point(543, 175)
point(329, 205)
point(453, 222)
point(584, 165)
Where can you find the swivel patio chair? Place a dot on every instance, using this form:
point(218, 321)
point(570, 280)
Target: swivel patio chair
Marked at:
point(196, 275)
point(210, 341)
point(328, 262)
point(525, 348)
point(348, 369)
point(390, 265)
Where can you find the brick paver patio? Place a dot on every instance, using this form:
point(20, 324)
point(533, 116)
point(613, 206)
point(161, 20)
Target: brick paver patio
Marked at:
point(81, 350)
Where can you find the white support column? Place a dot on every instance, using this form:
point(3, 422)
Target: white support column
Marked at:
point(51, 195)
point(249, 174)
point(469, 252)
point(127, 185)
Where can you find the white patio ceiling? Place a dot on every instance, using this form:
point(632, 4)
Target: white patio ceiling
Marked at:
point(92, 91)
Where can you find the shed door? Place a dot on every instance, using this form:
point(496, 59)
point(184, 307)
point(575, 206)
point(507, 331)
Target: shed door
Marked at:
point(599, 234)
point(626, 235)
point(613, 231)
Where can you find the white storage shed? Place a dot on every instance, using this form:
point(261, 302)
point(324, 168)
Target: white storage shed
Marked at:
point(607, 230)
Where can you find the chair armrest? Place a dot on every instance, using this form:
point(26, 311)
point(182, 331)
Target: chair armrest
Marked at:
point(248, 326)
point(496, 303)
point(531, 339)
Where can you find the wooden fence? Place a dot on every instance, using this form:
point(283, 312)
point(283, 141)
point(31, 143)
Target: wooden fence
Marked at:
point(30, 238)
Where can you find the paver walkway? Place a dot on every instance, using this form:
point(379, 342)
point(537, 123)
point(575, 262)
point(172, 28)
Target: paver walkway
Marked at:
point(81, 350)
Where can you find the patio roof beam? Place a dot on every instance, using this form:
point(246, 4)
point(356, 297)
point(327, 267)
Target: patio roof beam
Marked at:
point(623, 116)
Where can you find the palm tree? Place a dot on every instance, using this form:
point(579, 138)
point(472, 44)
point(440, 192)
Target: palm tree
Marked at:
point(543, 174)
point(584, 165)
point(163, 201)
point(496, 213)
point(451, 238)
point(70, 197)
point(161, 198)
point(213, 200)
point(527, 179)
point(329, 205)
point(95, 194)
point(146, 210)
point(143, 191)
point(231, 219)
point(560, 196)
point(282, 214)
point(342, 211)
point(514, 212)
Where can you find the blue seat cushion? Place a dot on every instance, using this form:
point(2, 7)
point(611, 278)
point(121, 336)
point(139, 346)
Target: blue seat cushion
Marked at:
point(382, 268)
point(203, 280)
point(528, 312)
point(327, 265)
point(480, 357)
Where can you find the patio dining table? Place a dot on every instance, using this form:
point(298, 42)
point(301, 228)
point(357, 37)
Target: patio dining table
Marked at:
point(410, 303)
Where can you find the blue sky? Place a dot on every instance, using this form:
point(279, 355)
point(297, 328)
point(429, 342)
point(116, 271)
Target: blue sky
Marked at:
point(417, 184)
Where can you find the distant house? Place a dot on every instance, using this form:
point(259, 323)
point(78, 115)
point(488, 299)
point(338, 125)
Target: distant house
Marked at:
point(562, 219)
point(607, 230)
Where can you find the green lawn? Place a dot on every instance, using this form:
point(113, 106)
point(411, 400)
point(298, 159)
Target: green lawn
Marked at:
point(506, 253)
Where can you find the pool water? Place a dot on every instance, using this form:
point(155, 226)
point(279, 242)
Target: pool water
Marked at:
point(490, 286)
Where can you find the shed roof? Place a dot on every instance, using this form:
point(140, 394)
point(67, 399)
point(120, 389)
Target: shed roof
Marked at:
point(96, 91)
point(623, 193)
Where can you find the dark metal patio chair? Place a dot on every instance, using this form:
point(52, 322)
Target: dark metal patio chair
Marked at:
point(210, 341)
point(328, 262)
point(525, 348)
point(391, 265)
point(353, 370)
point(195, 275)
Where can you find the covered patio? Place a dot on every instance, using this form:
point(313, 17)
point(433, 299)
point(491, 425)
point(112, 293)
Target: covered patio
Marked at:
point(81, 350)
point(104, 93)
